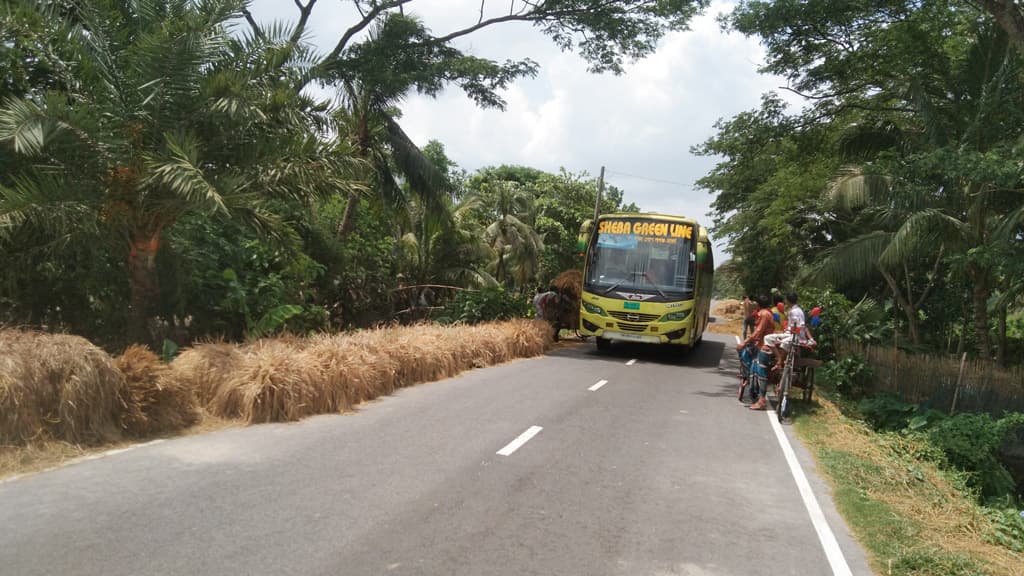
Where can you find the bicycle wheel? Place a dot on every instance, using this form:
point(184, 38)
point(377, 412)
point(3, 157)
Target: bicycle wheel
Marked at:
point(784, 384)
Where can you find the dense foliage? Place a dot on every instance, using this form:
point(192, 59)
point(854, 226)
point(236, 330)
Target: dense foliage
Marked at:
point(165, 174)
point(900, 180)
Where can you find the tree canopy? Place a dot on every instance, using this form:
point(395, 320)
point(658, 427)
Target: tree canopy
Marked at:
point(901, 177)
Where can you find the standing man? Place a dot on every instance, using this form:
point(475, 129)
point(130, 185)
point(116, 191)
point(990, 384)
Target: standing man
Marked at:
point(548, 306)
point(540, 301)
point(763, 327)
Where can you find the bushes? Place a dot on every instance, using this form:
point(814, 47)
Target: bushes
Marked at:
point(975, 444)
point(489, 304)
point(971, 443)
point(849, 376)
point(865, 321)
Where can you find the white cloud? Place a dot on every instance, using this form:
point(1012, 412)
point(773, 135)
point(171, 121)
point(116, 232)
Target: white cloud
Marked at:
point(641, 123)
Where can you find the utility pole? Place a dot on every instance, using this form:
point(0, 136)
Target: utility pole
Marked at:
point(600, 192)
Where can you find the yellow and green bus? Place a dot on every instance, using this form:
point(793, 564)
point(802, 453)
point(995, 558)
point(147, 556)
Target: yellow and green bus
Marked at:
point(646, 278)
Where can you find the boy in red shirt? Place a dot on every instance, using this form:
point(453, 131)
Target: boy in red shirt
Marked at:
point(764, 325)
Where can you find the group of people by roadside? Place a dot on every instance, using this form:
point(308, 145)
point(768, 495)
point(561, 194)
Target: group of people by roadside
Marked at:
point(768, 337)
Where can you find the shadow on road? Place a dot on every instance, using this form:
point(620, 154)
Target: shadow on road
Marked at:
point(706, 356)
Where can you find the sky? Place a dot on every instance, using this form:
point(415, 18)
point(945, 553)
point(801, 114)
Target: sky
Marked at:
point(640, 125)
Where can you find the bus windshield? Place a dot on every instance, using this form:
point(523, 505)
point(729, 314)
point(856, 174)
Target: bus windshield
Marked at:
point(642, 256)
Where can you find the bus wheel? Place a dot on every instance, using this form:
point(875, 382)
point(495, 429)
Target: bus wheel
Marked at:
point(603, 344)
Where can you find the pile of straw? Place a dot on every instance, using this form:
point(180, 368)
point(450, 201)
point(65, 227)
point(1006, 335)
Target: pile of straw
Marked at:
point(728, 310)
point(154, 402)
point(204, 368)
point(64, 388)
point(55, 386)
point(277, 380)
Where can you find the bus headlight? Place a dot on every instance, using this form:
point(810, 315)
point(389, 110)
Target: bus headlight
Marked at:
point(675, 316)
point(593, 309)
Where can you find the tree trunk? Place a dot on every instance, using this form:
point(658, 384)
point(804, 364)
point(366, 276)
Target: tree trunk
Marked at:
point(964, 327)
point(144, 284)
point(1001, 337)
point(499, 271)
point(1010, 17)
point(904, 302)
point(348, 219)
point(979, 298)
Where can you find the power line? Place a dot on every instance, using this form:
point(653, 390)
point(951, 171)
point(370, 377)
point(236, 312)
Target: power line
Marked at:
point(659, 180)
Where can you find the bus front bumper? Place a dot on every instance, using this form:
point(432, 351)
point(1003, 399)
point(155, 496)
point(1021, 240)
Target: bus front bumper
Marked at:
point(670, 332)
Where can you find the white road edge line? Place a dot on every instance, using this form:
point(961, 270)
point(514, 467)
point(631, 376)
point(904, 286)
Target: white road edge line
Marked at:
point(631, 362)
point(828, 540)
point(597, 386)
point(518, 442)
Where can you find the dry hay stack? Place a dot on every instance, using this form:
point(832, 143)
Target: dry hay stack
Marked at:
point(528, 337)
point(283, 380)
point(155, 402)
point(275, 382)
point(205, 368)
point(728, 310)
point(406, 349)
point(569, 283)
point(349, 371)
point(57, 386)
point(488, 343)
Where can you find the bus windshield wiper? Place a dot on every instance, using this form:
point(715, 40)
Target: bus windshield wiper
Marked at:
point(613, 287)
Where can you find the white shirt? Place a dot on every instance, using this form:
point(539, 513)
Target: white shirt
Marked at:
point(796, 318)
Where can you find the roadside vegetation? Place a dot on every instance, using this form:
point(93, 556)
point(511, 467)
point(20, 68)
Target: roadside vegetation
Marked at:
point(914, 512)
point(206, 219)
point(169, 175)
point(891, 198)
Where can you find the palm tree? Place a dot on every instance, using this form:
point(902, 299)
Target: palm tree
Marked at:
point(165, 113)
point(516, 245)
point(368, 122)
point(882, 248)
point(448, 250)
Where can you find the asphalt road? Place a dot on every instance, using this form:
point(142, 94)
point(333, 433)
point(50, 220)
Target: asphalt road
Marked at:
point(658, 471)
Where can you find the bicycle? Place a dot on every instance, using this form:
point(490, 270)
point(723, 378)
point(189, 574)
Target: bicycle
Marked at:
point(748, 379)
point(791, 377)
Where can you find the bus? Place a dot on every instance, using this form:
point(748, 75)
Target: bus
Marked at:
point(646, 278)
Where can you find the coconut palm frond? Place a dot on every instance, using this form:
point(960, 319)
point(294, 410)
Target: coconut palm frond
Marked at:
point(177, 171)
point(852, 189)
point(1011, 225)
point(925, 230)
point(45, 202)
point(854, 259)
point(25, 126)
point(423, 176)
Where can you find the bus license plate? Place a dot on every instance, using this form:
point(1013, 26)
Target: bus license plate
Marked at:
point(631, 305)
point(631, 337)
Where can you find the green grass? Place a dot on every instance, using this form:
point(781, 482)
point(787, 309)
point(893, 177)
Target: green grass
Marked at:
point(871, 476)
point(895, 541)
